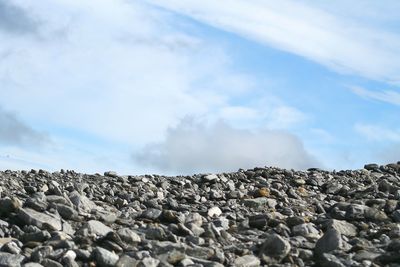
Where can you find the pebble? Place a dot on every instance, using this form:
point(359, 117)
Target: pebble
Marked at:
point(247, 261)
point(214, 212)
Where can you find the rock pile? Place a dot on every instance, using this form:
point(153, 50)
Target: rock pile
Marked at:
point(257, 217)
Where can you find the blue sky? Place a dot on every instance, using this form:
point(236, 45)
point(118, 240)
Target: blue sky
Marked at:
point(179, 87)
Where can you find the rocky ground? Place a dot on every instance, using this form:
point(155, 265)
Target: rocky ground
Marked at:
point(258, 217)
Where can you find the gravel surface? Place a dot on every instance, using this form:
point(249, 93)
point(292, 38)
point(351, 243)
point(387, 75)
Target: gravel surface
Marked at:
point(258, 217)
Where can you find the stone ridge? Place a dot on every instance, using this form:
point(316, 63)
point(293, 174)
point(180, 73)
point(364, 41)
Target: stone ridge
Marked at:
point(258, 217)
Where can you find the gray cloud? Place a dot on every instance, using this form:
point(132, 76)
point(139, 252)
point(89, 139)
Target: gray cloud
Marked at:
point(16, 20)
point(15, 132)
point(193, 147)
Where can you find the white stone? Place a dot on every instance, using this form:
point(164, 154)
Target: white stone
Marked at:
point(214, 212)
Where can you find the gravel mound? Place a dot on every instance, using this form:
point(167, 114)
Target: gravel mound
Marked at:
point(258, 217)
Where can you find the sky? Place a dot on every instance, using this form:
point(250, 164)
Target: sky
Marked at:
point(181, 87)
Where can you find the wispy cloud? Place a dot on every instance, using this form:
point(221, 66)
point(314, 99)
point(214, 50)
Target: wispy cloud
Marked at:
point(377, 133)
point(318, 34)
point(387, 96)
point(16, 20)
point(13, 131)
point(193, 146)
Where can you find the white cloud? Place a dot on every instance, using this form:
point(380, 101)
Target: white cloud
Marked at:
point(377, 133)
point(267, 111)
point(122, 72)
point(387, 96)
point(285, 116)
point(318, 33)
point(194, 146)
point(117, 71)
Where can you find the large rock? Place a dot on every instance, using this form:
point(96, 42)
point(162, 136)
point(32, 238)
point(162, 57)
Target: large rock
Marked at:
point(44, 221)
point(274, 248)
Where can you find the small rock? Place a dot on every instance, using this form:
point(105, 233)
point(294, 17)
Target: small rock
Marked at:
point(129, 236)
point(186, 262)
point(205, 263)
point(50, 263)
point(11, 247)
point(259, 202)
point(32, 264)
point(247, 261)
point(66, 212)
point(194, 218)
point(210, 177)
point(329, 260)
point(8, 205)
point(371, 166)
point(365, 255)
point(342, 227)
point(356, 212)
point(306, 230)
point(151, 214)
point(111, 174)
point(396, 216)
point(126, 261)
point(148, 262)
point(82, 202)
point(299, 182)
point(95, 227)
point(105, 258)
point(40, 253)
point(10, 260)
point(331, 240)
point(214, 212)
point(262, 192)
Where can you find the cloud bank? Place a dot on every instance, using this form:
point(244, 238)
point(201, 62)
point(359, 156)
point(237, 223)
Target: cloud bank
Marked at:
point(193, 146)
